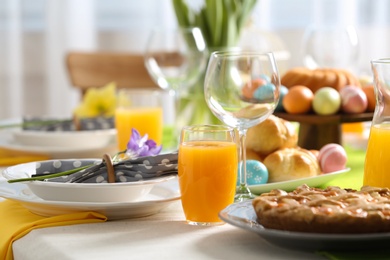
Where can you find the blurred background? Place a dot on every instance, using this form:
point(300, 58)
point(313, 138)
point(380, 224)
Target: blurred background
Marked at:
point(35, 35)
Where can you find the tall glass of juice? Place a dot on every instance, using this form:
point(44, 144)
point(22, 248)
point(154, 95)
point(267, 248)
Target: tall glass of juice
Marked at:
point(208, 163)
point(376, 170)
point(140, 109)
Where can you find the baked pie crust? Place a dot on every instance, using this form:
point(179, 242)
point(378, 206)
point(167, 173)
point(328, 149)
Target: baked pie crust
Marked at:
point(330, 210)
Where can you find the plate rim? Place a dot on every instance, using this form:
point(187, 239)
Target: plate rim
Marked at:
point(34, 133)
point(34, 199)
point(266, 187)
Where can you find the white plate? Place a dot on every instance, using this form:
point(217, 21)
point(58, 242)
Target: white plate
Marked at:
point(82, 192)
point(242, 215)
point(56, 152)
point(291, 185)
point(93, 139)
point(161, 196)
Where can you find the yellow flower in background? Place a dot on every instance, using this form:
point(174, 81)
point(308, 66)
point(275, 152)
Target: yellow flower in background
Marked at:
point(98, 102)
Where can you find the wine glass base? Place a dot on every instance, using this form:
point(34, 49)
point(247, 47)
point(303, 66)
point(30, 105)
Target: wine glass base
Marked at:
point(243, 197)
point(243, 193)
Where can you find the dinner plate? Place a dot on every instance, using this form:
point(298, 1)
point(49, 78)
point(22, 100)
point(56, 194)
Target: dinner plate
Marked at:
point(56, 152)
point(91, 139)
point(293, 184)
point(242, 215)
point(82, 192)
point(161, 196)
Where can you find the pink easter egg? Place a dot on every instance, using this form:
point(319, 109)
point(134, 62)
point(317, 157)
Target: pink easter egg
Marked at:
point(353, 100)
point(332, 157)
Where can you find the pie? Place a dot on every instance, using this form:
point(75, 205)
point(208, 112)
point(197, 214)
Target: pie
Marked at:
point(330, 210)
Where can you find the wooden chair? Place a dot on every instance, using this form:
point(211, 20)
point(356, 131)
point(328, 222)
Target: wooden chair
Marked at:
point(96, 69)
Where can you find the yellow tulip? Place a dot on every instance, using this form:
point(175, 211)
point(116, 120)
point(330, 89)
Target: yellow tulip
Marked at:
point(98, 102)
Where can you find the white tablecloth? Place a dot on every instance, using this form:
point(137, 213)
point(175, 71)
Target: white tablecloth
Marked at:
point(165, 235)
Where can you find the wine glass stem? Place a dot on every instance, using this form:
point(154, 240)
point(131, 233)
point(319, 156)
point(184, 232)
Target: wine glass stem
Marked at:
point(242, 191)
point(243, 158)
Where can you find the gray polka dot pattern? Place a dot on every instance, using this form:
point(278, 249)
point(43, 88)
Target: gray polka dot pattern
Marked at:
point(139, 169)
point(50, 124)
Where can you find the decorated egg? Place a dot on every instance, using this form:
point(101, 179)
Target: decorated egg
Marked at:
point(256, 173)
point(353, 100)
point(332, 157)
point(370, 94)
point(250, 87)
point(282, 92)
point(264, 92)
point(265, 77)
point(298, 100)
point(326, 101)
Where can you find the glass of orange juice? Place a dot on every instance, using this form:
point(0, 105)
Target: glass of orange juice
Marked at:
point(140, 109)
point(207, 170)
point(376, 169)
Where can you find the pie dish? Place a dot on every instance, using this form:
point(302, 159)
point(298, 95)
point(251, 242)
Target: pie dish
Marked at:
point(242, 215)
point(329, 210)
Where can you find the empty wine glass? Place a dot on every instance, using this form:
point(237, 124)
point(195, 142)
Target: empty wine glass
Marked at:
point(242, 90)
point(175, 59)
point(330, 46)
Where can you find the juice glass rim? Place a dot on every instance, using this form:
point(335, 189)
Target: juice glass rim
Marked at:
point(208, 128)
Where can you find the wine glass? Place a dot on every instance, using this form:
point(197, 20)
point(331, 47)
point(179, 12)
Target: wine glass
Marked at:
point(330, 46)
point(242, 90)
point(175, 59)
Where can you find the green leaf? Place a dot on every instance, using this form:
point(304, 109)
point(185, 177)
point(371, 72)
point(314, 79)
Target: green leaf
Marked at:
point(201, 22)
point(244, 13)
point(214, 14)
point(182, 13)
point(49, 176)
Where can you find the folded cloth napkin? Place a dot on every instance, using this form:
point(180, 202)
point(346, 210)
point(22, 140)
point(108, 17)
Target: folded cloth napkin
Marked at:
point(17, 221)
point(129, 170)
point(9, 157)
point(53, 124)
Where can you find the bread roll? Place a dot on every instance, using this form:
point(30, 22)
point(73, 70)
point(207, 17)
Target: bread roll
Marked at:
point(290, 164)
point(252, 155)
point(273, 134)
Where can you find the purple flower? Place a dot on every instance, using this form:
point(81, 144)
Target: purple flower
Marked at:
point(139, 146)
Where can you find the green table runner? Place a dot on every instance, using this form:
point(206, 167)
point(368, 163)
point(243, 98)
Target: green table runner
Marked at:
point(354, 178)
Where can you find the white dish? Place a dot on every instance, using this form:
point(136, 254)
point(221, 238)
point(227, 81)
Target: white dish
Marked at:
point(161, 196)
point(291, 185)
point(82, 192)
point(66, 139)
point(56, 152)
point(242, 215)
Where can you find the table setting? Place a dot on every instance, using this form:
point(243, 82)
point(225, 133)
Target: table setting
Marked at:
point(240, 186)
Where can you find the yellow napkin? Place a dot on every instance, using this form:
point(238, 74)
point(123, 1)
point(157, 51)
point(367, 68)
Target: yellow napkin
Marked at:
point(17, 221)
point(10, 157)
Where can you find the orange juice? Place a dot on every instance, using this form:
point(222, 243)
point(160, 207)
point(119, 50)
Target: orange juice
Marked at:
point(147, 120)
point(207, 178)
point(376, 170)
point(357, 128)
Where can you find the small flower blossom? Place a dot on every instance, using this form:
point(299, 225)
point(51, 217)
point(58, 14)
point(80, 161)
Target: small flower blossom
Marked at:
point(98, 102)
point(139, 146)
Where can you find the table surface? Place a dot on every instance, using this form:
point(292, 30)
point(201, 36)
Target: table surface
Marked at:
point(164, 235)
